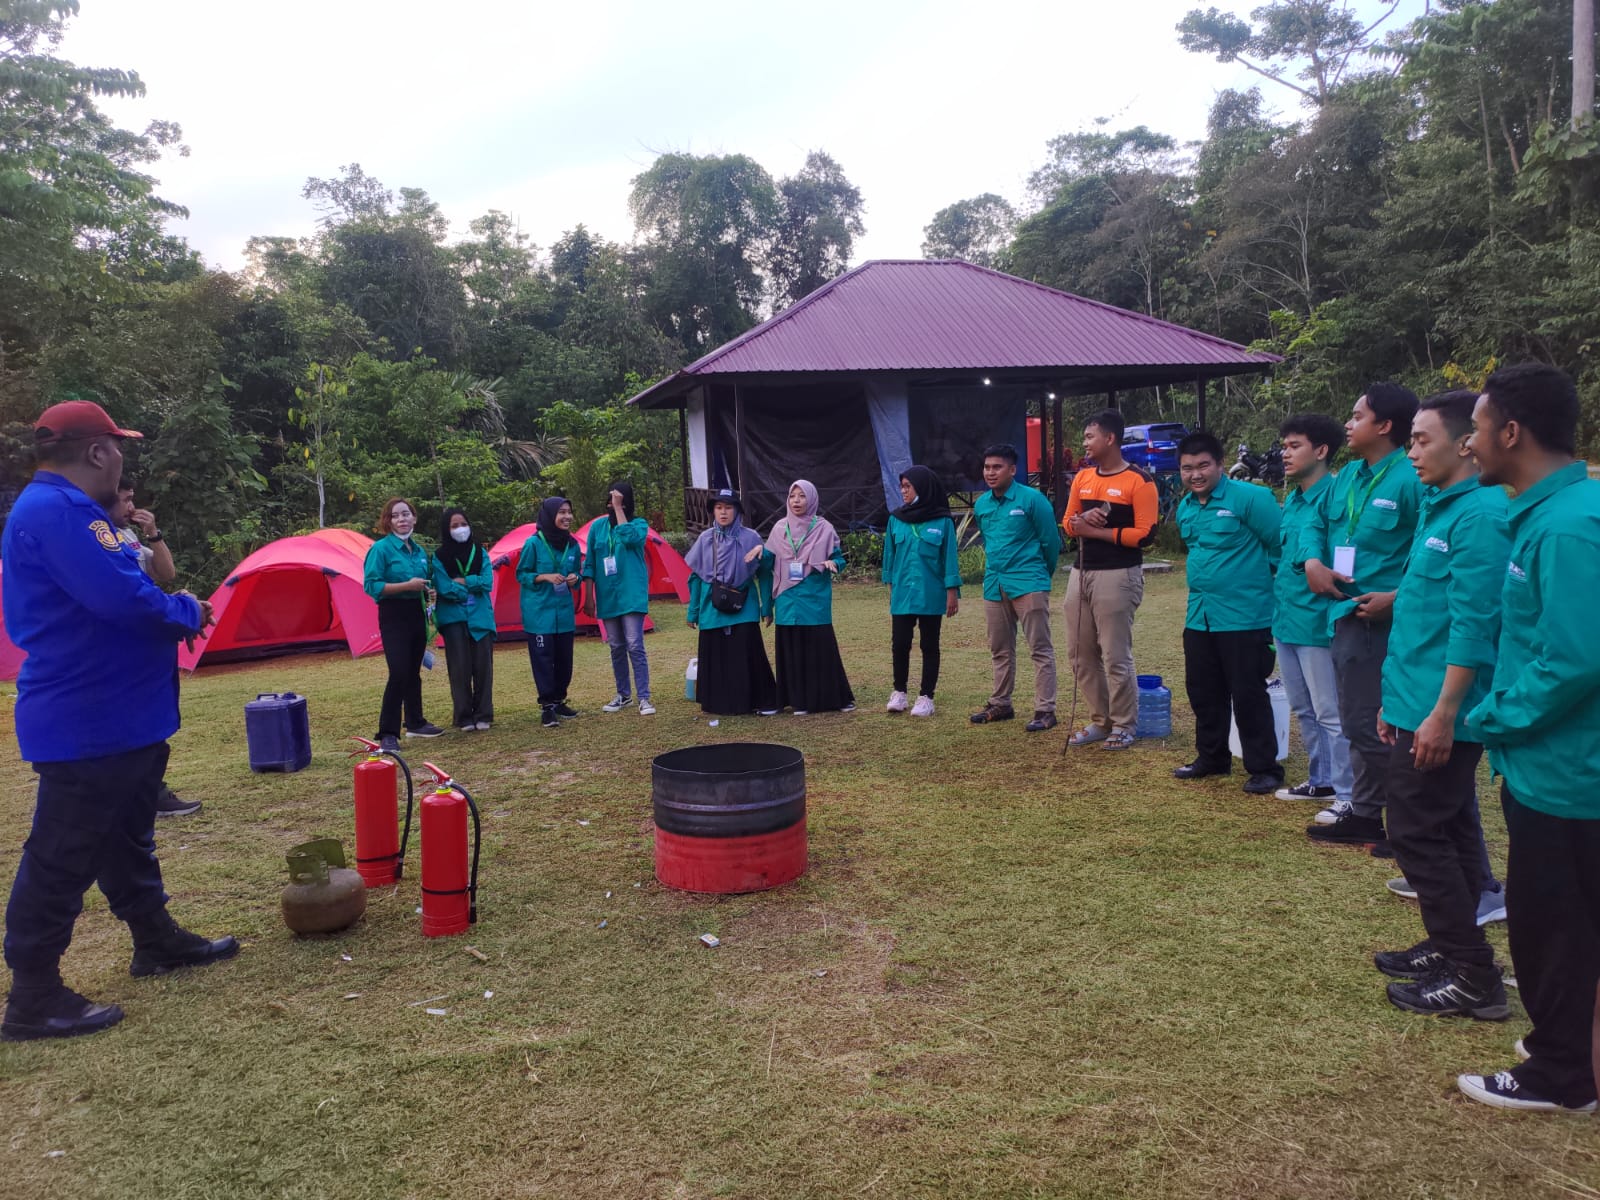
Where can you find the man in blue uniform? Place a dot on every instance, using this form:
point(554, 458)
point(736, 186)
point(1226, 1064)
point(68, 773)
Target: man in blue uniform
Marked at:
point(97, 698)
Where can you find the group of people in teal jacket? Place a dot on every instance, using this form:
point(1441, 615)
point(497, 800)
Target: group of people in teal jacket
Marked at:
point(451, 590)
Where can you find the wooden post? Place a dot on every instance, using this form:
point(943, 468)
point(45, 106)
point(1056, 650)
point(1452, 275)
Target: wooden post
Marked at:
point(1044, 447)
point(1200, 403)
point(683, 443)
point(738, 439)
point(1058, 500)
point(1111, 400)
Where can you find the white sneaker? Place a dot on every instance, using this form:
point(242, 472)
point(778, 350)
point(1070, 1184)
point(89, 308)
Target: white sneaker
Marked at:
point(923, 707)
point(1332, 813)
point(618, 703)
point(897, 702)
point(646, 709)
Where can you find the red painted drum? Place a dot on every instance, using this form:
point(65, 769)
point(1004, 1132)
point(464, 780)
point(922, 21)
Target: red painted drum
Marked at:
point(730, 817)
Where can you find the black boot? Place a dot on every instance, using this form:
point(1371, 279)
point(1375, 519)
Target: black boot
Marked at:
point(549, 719)
point(41, 1006)
point(160, 945)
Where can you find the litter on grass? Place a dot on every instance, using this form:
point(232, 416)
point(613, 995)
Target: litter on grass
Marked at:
point(437, 1012)
point(711, 940)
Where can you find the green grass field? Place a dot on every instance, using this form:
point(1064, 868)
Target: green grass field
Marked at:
point(1008, 973)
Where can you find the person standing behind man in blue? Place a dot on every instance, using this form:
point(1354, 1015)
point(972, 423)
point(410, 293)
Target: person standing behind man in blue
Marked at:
point(549, 569)
point(1021, 547)
point(1541, 725)
point(620, 575)
point(97, 699)
point(1300, 616)
point(922, 567)
point(1231, 531)
point(1357, 561)
point(463, 581)
point(1440, 664)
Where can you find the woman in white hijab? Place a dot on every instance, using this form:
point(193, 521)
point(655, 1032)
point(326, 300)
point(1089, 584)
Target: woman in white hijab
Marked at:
point(806, 558)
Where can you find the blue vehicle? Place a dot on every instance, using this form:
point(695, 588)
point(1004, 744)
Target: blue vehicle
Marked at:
point(1153, 447)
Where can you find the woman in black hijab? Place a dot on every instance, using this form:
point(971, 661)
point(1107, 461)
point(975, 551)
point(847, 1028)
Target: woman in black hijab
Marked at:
point(464, 579)
point(921, 567)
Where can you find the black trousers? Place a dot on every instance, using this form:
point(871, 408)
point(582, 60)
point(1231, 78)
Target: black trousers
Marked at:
point(550, 656)
point(1553, 917)
point(903, 625)
point(403, 627)
point(1437, 840)
point(94, 822)
point(471, 664)
point(1226, 673)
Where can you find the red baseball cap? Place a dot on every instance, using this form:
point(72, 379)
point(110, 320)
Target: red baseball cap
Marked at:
point(76, 419)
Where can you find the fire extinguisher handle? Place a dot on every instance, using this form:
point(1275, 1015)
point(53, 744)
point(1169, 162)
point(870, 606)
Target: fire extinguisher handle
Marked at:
point(477, 846)
point(368, 745)
point(440, 775)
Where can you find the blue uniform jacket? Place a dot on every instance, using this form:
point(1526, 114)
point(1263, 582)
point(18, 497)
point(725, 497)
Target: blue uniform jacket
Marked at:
point(101, 676)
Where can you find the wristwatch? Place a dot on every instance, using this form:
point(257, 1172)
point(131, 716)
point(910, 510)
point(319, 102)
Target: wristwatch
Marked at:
point(155, 537)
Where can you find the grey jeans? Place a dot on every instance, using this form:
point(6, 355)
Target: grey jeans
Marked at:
point(1359, 648)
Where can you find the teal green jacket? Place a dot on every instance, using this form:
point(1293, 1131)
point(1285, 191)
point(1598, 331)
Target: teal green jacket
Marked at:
point(628, 591)
point(1233, 544)
point(757, 599)
point(545, 607)
point(1447, 612)
point(920, 562)
point(809, 602)
point(1299, 615)
point(391, 560)
point(1541, 718)
point(469, 601)
point(1021, 543)
point(1373, 508)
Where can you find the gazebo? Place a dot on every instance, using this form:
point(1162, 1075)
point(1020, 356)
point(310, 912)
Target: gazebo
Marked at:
point(902, 361)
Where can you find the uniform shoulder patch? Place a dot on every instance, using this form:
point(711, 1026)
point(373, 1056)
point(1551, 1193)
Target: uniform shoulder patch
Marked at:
point(105, 535)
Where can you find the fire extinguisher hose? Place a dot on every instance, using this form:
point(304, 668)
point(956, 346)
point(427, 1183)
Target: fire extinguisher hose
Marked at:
point(405, 831)
point(477, 845)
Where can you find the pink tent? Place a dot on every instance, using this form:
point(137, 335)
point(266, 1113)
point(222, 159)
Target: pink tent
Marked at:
point(10, 657)
point(669, 578)
point(294, 592)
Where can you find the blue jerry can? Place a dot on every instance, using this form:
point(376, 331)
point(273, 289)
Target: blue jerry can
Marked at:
point(277, 727)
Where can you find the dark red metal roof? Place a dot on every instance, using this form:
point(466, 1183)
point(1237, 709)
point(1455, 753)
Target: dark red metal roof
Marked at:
point(947, 315)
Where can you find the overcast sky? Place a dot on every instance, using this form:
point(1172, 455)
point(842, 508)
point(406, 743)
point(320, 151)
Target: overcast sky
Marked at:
point(548, 111)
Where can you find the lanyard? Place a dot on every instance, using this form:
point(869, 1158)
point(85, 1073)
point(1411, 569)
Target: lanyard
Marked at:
point(794, 546)
point(1353, 507)
point(560, 560)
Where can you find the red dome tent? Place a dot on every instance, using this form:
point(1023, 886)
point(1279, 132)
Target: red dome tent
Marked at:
point(669, 578)
point(294, 592)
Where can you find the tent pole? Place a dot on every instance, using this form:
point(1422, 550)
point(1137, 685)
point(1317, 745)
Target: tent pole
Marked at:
point(1200, 403)
point(1056, 473)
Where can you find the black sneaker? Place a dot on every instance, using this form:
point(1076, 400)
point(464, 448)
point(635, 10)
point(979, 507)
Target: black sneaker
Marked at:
point(1041, 721)
point(548, 718)
point(1349, 830)
point(428, 730)
point(1455, 991)
point(1503, 1091)
point(1418, 962)
point(390, 743)
point(1199, 770)
point(1305, 791)
point(991, 713)
point(57, 1014)
point(565, 710)
point(1262, 785)
point(161, 945)
point(170, 804)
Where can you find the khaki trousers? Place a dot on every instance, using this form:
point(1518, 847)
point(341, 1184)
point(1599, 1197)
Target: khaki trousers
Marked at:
point(1001, 617)
point(1099, 609)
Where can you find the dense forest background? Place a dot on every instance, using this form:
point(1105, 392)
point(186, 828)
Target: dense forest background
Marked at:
point(1432, 208)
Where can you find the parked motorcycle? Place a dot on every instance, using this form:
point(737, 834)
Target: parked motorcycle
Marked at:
point(1264, 468)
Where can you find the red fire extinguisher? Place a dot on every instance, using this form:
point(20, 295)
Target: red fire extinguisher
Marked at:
point(380, 846)
point(449, 888)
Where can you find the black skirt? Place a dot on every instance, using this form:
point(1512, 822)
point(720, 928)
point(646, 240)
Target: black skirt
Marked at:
point(811, 674)
point(734, 674)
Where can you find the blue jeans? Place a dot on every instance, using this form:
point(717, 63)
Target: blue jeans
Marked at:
point(625, 636)
point(1313, 690)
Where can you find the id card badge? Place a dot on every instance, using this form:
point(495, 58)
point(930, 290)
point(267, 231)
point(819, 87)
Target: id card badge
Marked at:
point(609, 564)
point(797, 572)
point(561, 589)
point(1344, 561)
